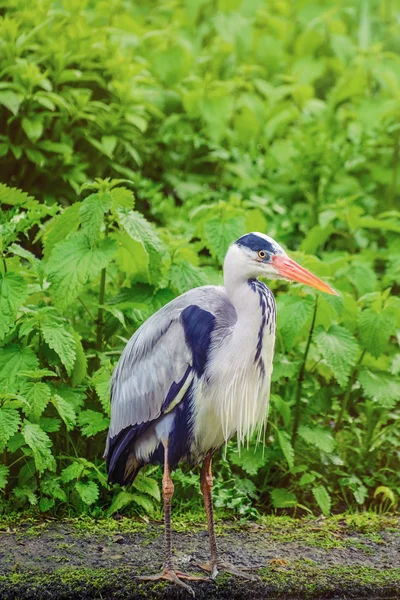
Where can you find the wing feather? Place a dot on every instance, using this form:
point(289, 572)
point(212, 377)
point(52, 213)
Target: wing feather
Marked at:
point(158, 356)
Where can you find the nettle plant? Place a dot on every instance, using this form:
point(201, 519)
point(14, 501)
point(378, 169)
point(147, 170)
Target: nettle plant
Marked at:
point(54, 370)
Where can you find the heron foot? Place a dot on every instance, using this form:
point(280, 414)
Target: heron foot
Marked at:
point(220, 565)
point(174, 577)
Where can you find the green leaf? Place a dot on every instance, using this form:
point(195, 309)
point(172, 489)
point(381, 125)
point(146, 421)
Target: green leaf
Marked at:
point(140, 230)
point(3, 476)
point(33, 126)
point(185, 276)
point(11, 100)
point(92, 422)
point(79, 370)
point(13, 292)
point(249, 459)
point(323, 499)
point(339, 349)
point(306, 478)
point(9, 424)
point(376, 329)
point(143, 502)
point(45, 504)
point(73, 471)
point(286, 447)
point(319, 437)
point(59, 227)
point(381, 387)
point(282, 498)
point(220, 233)
point(282, 407)
point(88, 491)
point(293, 313)
point(13, 362)
point(40, 445)
point(65, 410)
point(16, 197)
point(122, 198)
point(120, 501)
point(37, 394)
point(148, 486)
point(74, 263)
point(92, 212)
point(62, 342)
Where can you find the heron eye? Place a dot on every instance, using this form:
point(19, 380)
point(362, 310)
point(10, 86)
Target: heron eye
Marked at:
point(262, 254)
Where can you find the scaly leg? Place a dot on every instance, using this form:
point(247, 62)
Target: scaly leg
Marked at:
point(168, 572)
point(216, 563)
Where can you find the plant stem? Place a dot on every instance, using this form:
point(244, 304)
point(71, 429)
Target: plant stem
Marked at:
point(346, 396)
point(87, 309)
point(300, 380)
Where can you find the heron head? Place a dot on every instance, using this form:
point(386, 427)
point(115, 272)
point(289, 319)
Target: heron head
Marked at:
point(266, 258)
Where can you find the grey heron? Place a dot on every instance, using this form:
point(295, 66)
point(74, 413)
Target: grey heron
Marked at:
point(197, 372)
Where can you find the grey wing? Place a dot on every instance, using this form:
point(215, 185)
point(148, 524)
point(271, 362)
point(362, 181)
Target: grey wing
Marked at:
point(158, 356)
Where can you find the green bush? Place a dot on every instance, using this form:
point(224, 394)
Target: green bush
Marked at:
point(137, 140)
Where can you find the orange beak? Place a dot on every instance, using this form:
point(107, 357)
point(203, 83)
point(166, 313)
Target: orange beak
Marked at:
point(291, 270)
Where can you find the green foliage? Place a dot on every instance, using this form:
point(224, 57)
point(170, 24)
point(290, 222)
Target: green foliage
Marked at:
point(137, 141)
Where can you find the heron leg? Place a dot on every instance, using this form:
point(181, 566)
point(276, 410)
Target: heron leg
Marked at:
point(216, 563)
point(168, 572)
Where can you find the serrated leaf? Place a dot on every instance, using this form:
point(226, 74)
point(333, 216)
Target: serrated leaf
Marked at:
point(185, 276)
point(14, 361)
point(9, 424)
point(88, 491)
point(249, 459)
point(323, 499)
point(13, 292)
point(102, 384)
point(220, 233)
point(319, 437)
point(293, 313)
point(92, 422)
point(73, 471)
point(306, 478)
point(282, 408)
point(148, 486)
point(282, 498)
point(16, 197)
point(381, 387)
point(51, 486)
point(74, 263)
point(92, 212)
point(139, 229)
point(3, 476)
point(339, 349)
point(45, 504)
point(144, 502)
point(50, 424)
point(120, 501)
point(122, 198)
point(286, 447)
point(376, 329)
point(65, 410)
point(62, 342)
point(79, 370)
point(37, 394)
point(59, 227)
point(40, 445)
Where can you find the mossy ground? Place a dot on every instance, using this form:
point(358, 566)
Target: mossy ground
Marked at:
point(352, 556)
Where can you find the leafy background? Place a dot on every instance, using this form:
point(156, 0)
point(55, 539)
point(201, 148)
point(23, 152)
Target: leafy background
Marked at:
point(137, 140)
